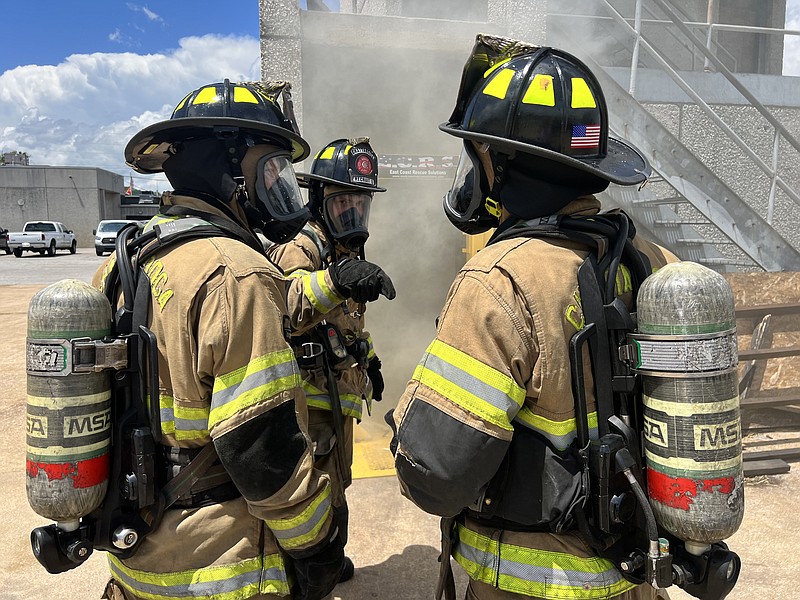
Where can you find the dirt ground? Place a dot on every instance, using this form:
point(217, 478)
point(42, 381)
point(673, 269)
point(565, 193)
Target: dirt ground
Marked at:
point(391, 539)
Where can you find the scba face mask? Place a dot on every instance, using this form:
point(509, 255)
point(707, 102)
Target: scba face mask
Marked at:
point(278, 198)
point(346, 214)
point(466, 203)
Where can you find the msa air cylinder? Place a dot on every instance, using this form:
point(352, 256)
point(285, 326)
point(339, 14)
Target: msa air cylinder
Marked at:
point(686, 351)
point(69, 403)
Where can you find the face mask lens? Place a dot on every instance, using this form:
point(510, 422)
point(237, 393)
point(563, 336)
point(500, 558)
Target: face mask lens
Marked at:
point(462, 197)
point(277, 187)
point(347, 212)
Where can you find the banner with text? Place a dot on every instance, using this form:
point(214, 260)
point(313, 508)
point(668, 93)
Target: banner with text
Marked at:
point(402, 165)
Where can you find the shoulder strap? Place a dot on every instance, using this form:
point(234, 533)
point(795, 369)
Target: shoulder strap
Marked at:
point(324, 251)
point(225, 227)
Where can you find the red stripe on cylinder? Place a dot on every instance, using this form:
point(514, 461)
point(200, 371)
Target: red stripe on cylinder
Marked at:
point(680, 492)
point(84, 473)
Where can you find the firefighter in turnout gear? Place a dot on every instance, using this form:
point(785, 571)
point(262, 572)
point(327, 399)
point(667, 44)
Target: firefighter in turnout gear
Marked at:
point(483, 434)
point(259, 522)
point(341, 183)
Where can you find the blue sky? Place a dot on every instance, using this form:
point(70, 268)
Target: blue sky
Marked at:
point(37, 32)
point(79, 79)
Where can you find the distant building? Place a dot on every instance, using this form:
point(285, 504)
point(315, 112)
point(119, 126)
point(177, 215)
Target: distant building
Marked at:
point(15, 158)
point(79, 197)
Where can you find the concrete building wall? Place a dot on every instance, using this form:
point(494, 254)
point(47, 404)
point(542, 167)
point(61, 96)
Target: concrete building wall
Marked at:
point(695, 129)
point(394, 78)
point(79, 197)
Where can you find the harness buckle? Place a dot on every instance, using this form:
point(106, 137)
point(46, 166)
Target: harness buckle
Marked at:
point(311, 349)
point(97, 355)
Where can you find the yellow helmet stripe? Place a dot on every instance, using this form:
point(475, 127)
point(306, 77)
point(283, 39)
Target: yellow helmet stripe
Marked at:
point(327, 153)
point(540, 91)
point(241, 94)
point(182, 102)
point(206, 96)
point(582, 96)
point(494, 67)
point(498, 86)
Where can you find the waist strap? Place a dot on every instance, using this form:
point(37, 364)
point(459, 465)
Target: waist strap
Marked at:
point(195, 478)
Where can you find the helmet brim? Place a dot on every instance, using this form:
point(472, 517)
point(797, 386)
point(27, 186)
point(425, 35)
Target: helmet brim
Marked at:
point(147, 150)
point(623, 164)
point(304, 179)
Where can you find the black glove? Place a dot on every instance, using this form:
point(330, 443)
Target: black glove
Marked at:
point(360, 280)
point(316, 575)
point(374, 374)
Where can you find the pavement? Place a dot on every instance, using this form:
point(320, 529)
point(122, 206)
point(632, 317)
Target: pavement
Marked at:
point(393, 544)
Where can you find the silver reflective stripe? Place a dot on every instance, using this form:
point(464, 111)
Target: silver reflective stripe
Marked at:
point(350, 407)
point(471, 384)
point(581, 581)
point(306, 528)
point(317, 294)
point(192, 425)
point(194, 589)
point(253, 381)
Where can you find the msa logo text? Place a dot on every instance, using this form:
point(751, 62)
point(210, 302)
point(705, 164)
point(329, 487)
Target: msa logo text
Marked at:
point(78, 425)
point(36, 426)
point(656, 432)
point(716, 436)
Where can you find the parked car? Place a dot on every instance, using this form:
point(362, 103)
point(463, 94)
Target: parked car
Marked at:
point(4, 241)
point(41, 237)
point(105, 236)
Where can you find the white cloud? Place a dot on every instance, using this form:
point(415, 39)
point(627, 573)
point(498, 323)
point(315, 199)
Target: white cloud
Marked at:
point(83, 111)
point(151, 15)
point(146, 11)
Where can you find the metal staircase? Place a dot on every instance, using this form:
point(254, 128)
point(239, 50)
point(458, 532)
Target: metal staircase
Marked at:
point(686, 206)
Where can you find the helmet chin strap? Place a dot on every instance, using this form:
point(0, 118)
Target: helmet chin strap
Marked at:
point(254, 216)
point(493, 201)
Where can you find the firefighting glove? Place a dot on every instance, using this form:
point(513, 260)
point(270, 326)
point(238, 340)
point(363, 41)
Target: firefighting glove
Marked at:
point(316, 575)
point(374, 374)
point(360, 280)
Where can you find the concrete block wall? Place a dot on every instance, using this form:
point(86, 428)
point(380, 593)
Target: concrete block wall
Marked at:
point(79, 197)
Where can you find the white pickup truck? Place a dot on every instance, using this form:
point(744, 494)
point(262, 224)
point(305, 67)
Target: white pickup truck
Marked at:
point(41, 237)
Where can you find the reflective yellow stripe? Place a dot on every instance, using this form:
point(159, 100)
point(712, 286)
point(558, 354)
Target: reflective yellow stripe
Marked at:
point(241, 94)
point(474, 386)
point(305, 527)
point(234, 581)
point(206, 96)
point(262, 378)
point(559, 433)
point(582, 96)
point(327, 153)
point(321, 296)
point(180, 104)
point(535, 572)
point(540, 91)
point(498, 86)
point(494, 67)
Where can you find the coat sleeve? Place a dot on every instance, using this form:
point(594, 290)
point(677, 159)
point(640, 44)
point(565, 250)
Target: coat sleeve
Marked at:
point(310, 293)
point(453, 423)
point(258, 416)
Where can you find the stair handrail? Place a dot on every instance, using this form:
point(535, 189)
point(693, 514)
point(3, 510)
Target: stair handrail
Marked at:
point(688, 90)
